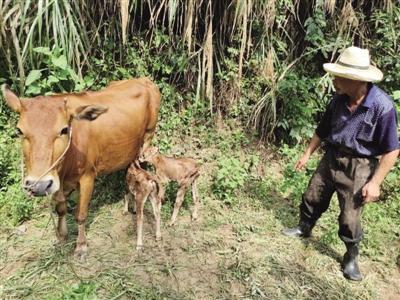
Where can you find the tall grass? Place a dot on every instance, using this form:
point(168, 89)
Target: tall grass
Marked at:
point(210, 30)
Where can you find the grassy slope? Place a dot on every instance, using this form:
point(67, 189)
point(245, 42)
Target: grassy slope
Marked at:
point(230, 252)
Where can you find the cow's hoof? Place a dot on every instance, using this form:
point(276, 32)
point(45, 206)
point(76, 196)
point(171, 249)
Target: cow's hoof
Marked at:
point(62, 239)
point(59, 242)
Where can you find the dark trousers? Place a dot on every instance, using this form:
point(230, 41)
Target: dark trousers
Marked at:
point(346, 175)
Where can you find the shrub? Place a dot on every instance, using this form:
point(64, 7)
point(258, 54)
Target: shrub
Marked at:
point(230, 176)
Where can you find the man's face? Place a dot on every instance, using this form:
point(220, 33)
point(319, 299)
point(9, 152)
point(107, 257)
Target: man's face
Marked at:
point(343, 85)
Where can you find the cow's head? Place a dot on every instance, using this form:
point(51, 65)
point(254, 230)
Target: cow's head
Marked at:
point(44, 126)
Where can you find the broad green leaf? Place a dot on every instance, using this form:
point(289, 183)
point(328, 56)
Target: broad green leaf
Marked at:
point(43, 50)
point(73, 75)
point(33, 76)
point(89, 81)
point(396, 95)
point(52, 79)
point(60, 62)
point(33, 90)
point(79, 86)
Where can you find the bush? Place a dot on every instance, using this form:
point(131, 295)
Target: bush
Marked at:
point(55, 74)
point(230, 176)
point(14, 205)
point(299, 105)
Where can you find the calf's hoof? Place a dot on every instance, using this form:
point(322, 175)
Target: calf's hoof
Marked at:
point(139, 248)
point(81, 253)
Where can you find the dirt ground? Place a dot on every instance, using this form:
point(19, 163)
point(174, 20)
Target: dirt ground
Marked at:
point(228, 253)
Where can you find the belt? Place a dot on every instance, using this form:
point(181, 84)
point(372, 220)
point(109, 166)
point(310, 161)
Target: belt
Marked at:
point(345, 151)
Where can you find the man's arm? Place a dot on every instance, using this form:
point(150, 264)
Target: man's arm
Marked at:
point(371, 190)
point(322, 131)
point(314, 144)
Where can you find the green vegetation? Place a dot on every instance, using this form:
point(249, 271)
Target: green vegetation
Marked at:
point(242, 90)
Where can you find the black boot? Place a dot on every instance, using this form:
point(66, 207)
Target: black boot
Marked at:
point(350, 264)
point(302, 230)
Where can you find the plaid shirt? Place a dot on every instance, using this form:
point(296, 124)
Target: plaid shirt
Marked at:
point(371, 130)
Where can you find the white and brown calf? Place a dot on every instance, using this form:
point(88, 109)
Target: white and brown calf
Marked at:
point(141, 184)
point(184, 171)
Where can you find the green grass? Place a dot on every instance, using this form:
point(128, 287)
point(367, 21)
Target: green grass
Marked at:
point(233, 251)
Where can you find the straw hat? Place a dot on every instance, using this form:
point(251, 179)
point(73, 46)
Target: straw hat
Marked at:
point(354, 63)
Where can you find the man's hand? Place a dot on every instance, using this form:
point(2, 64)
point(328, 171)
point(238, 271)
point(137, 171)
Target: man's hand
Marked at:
point(370, 192)
point(314, 144)
point(300, 164)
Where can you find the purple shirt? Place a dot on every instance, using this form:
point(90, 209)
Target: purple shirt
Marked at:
point(371, 130)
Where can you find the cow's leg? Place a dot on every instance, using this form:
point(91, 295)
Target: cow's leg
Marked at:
point(140, 199)
point(156, 203)
point(86, 184)
point(178, 203)
point(195, 196)
point(61, 209)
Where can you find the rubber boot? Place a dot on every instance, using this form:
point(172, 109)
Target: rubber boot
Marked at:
point(350, 264)
point(302, 230)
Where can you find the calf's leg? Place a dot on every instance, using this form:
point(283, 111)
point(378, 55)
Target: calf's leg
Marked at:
point(195, 196)
point(156, 203)
point(178, 203)
point(140, 199)
point(127, 199)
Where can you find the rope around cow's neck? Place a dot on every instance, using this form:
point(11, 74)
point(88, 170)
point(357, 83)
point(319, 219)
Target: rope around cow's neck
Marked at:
point(51, 167)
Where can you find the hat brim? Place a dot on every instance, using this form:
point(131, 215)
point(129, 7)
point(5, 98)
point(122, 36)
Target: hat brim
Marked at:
point(372, 74)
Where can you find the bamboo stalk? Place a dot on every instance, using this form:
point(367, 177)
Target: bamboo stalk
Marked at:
point(124, 18)
point(188, 28)
point(246, 9)
point(18, 55)
point(208, 59)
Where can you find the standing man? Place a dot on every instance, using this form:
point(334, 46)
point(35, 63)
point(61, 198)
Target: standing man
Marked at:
point(359, 125)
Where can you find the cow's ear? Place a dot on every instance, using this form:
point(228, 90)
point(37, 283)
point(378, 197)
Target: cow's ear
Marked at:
point(12, 100)
point(89, 112)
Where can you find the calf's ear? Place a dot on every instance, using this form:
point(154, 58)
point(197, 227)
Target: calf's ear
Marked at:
point(89, 112)
point(12, 100)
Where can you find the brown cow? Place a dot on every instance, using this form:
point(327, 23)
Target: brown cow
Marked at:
point(68, 139)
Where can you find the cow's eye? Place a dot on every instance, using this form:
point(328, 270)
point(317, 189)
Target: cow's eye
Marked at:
point(65, 130)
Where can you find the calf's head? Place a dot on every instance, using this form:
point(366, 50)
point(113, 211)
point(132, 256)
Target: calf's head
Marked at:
point(45, 129)
point(148, 154)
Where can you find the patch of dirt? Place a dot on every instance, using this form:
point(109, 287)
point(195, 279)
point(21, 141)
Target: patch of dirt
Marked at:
point(17, 252)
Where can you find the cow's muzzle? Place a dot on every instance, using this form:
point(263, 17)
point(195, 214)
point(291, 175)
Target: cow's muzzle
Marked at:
point(39, 188)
